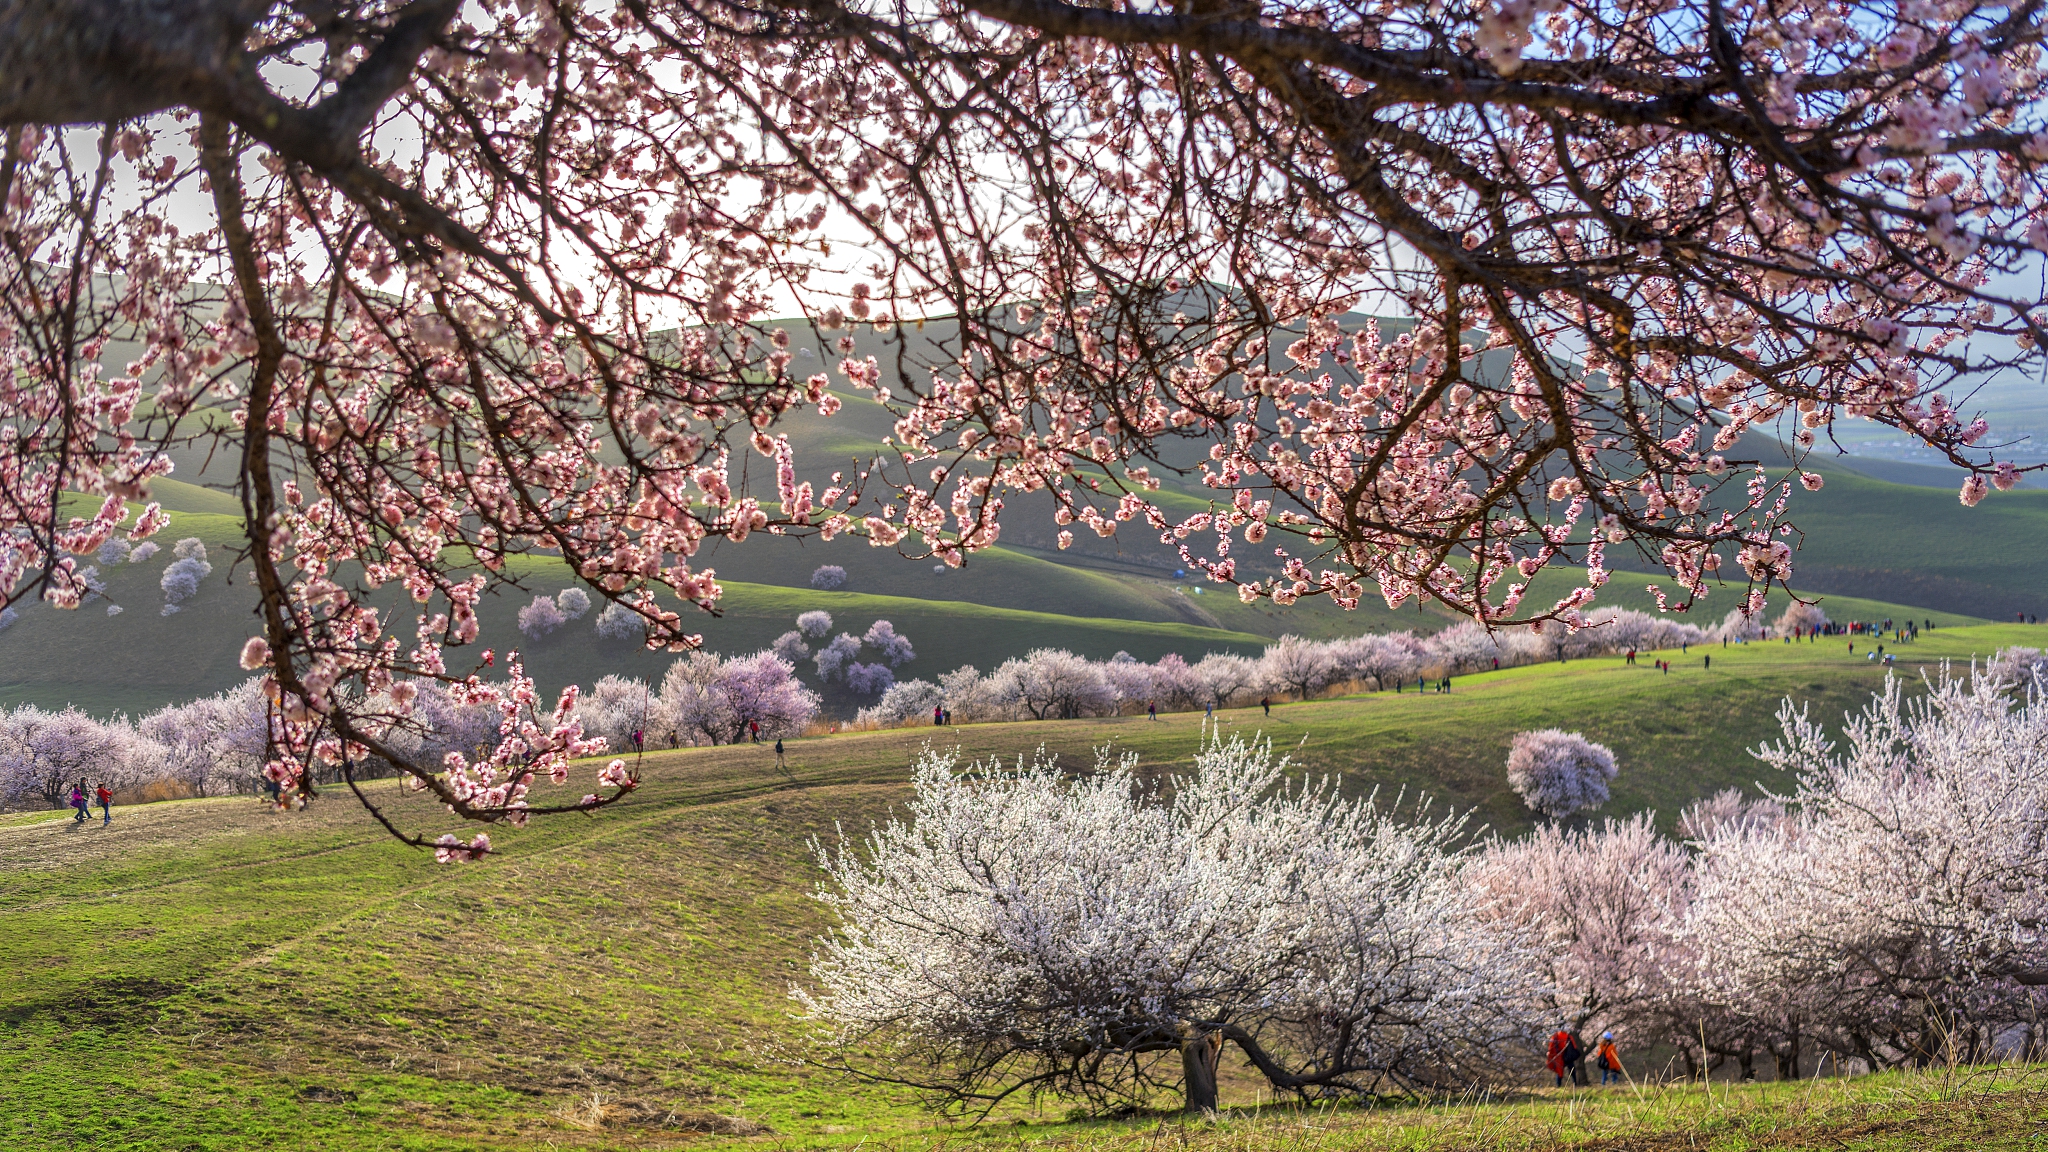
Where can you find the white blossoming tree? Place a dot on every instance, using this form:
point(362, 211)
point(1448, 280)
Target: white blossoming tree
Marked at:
point(1559, 773)
point(1023, 931)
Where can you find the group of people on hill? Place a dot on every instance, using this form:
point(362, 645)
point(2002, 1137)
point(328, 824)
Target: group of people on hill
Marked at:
point(82, 801)
point(1567, 1054)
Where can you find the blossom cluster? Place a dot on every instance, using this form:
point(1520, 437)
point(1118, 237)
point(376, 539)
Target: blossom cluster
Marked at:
point(476, 288)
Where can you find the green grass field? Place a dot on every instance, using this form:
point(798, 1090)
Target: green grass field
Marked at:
point(213, 975)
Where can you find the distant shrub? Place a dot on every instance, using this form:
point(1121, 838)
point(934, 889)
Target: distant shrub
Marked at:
point(1558, 773)
point(882, 637)
point(814, 624)
point(618, 622)
point(790, 647)
point(143, 552)
point(905, 700)
point(573, 602)
point(181, 578)
point(113, 552)
point(2022, 666)
point(113, 609)
point(869, 679)
point(541, 617)
point(828, 577)
point(1799, 618)
point(833, 658)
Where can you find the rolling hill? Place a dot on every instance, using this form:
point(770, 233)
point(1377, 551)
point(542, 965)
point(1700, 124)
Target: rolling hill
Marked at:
point(213, 975)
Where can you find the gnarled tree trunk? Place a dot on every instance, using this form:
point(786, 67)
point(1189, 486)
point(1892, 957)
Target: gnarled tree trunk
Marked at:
point(1198, 1056)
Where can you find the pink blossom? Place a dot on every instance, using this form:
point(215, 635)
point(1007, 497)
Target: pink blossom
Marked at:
point(255, 653)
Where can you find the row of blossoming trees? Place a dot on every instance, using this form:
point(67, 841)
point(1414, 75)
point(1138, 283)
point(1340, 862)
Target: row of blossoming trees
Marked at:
point(217, 744)
point(1027, 930)
point(1051, 684)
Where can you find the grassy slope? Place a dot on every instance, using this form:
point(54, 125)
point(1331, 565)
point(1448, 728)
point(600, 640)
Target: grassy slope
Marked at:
point(211, 975)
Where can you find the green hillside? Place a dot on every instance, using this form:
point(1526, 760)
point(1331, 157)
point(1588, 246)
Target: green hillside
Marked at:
point(1914, 545)
point(1004, 603)
point(213, 975)
point(140, 659)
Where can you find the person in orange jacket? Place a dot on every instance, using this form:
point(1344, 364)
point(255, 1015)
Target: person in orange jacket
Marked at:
point(1608, 1059)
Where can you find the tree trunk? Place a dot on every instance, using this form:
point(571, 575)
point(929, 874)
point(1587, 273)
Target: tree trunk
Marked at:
point(1198, 1053)
point(1787, 1056)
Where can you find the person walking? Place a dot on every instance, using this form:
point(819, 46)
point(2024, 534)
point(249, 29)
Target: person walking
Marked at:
point(756, 726)
point(1560, 1042)
point(1709, 658)
point(1266, 702)
point(1152, 709)
point(637, 736)
point(1631, 656)
point(938, 717)
point(79, 804)
point(1575, 1059)
point(106, 799)
point(1609, 1060)
point(779, 761)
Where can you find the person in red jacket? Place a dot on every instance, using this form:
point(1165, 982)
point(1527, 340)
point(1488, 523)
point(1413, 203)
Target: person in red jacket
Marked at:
point(106, 800)
point(1560, 1044)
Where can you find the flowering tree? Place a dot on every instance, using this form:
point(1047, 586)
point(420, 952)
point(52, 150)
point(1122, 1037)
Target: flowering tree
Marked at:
point(1603, 910)
point(1798, 618)
point(2017, 665)
point(1223, 676)
point(44, 754)
point(828, 577)
point(615, 708)
point(895, 649)
point(905, 701)
point(868, 679)
point(181, 579)
point(1893, 911)
point(541, 617)
point(1053, 684)
point(1174, 682)
point(618, 622)
point(719, 700)
point(1021, 931)
point(1131, 680)
point(814, 623)
point(482, 280)
point(219, 740)
point(833, 659)
point(1559, 773)
point(1301, 667)
point(790, 648)
point(573, 602)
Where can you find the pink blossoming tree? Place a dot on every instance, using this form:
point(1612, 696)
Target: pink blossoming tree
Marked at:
point(480, 280)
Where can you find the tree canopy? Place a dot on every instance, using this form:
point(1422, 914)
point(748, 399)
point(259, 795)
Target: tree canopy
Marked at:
point(477, 280)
